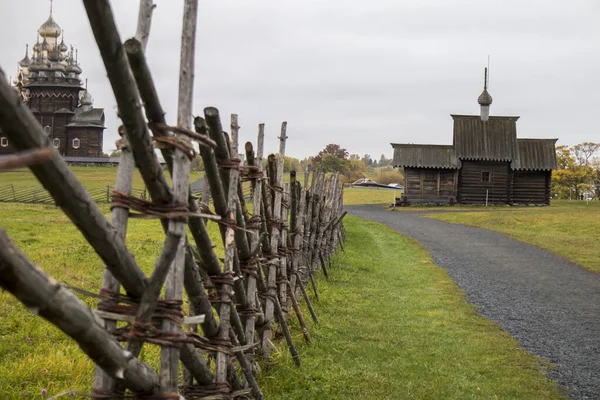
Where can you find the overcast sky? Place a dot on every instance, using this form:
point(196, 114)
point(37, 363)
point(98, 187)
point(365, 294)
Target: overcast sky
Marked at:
point(358, 73)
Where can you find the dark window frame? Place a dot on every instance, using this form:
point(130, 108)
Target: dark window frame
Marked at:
point(486, 178)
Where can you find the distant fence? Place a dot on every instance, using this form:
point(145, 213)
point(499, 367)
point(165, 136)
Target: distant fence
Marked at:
point(38, 195)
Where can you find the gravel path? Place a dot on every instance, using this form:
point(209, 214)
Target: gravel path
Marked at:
point(551, 306)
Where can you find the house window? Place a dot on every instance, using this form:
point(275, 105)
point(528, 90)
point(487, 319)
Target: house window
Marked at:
point(4, 142)
point(56, 142)
point(75, 143)
point(486, 176)
point(47, 130)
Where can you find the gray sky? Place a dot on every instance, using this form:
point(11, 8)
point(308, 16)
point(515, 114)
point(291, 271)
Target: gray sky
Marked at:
point(358, 73)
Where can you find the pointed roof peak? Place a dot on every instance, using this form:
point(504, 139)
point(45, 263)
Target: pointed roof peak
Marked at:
point(50, 28)
point(485, 99)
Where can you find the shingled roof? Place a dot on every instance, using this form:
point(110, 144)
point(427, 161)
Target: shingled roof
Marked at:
point(535, 155)
point(425, 156)
point(494, 140)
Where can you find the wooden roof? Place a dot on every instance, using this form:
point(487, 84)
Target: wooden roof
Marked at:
point(494, 140)
point(535, 155)
point(425, 156)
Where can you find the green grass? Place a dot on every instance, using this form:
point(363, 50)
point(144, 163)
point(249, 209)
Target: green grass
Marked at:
point(99, 177)
point(392, 328)
point(395, 326)
point(369, 196)
point(569, 229)
point(91, 177)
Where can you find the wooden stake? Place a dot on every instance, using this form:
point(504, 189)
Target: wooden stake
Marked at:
point(169, 372)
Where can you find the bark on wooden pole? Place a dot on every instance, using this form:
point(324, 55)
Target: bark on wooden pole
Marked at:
point(119, 218)
point(144, 21)
point(227, 279)
point(274, 264)
point(126, 94)
point(169, 374)
point(283, 249)
point(253, 305)
point(119, 215)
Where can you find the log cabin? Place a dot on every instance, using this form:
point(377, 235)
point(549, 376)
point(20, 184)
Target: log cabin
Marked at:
point(486, 164)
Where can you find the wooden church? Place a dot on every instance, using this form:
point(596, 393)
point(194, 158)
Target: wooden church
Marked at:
point(49, 84)
point(486, 164)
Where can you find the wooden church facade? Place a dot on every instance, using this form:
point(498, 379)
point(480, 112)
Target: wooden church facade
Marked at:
point(49, 84)
point(485, 163)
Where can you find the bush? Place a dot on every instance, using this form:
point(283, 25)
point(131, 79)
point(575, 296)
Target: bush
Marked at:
point(388, 177)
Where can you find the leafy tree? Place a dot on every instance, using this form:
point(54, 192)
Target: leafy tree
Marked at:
point(584, 151)
point(332, 149)
point(331, 163)
point(575, 175)
point(115, 153)
point(383, 161)
point(367, 160)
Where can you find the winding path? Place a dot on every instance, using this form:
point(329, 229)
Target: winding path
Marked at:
point(551, 306)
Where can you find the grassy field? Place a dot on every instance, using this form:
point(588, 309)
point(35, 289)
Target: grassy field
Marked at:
point(369, 196)
point(91, 177)
point(393, 328)
point(569, 229)
point(398, 328)
point(99, 177)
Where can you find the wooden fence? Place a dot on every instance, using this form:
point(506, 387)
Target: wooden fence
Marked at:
point(38, 195)
point(273, 245)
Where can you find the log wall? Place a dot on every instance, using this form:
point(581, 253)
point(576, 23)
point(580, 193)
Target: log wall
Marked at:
point(472, 185)
point(531, 187)
point(429, 184)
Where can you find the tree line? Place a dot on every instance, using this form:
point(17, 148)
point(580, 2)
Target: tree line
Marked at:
point(578, 173)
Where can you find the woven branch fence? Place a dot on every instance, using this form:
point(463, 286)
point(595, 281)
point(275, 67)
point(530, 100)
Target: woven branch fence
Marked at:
point(235, 304)
point(38, 195)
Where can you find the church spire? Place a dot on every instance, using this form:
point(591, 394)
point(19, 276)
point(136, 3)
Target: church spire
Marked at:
point(485, 100)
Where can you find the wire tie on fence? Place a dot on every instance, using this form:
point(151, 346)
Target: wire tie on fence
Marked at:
point(275, 188)
point(250, 173)
point(168, 142)
point(232, 163)
point(255, 222)
point(165, 129)
point(147, 209)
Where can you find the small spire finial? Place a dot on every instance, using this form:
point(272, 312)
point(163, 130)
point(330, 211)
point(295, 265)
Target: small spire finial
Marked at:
point(76, 56)
point(51, 7)
point(485, 100)
point(26, 50)
point(85, 83)
point(485, 79)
